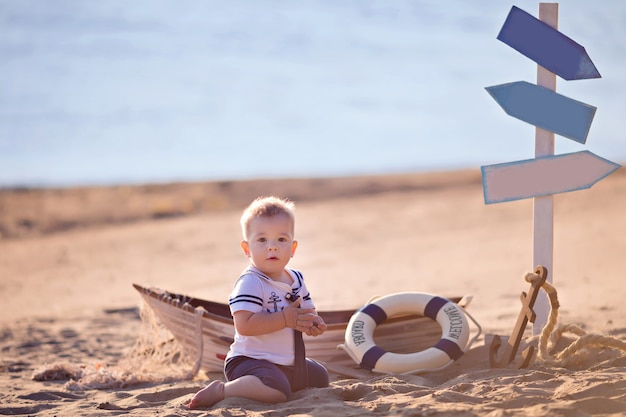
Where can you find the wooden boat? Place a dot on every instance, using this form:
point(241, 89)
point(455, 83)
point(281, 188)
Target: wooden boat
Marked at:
point(205, 330)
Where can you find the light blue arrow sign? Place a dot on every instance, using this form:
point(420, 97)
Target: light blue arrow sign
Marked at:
point(544, 108)
point(543, 176)
point(546, 46)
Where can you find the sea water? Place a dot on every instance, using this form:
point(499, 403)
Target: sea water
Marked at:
point(111, 92)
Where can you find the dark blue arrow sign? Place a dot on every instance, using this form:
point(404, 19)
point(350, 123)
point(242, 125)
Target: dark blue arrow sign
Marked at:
point(546, 46)
point(544, 108)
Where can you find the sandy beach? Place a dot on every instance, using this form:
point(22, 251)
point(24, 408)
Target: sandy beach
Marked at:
point(69, 257)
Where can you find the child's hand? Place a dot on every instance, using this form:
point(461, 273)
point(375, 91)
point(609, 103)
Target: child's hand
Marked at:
point(297, 318)
point(318, 327)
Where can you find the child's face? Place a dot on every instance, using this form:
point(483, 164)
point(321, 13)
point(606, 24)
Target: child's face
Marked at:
point(270, 244)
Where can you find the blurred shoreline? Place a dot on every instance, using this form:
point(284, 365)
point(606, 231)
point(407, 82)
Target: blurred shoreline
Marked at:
point(27, 212)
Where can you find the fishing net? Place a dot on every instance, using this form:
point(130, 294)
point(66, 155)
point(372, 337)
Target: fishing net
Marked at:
point(156, 357)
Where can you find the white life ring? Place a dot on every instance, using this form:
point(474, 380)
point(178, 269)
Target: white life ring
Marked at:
point(359, 340)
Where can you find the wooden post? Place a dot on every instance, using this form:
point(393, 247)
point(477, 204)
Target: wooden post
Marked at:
point(543, 208)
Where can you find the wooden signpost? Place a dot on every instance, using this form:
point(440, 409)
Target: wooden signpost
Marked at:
point(550, 113)
point(539, 40)
point(544, 108)
point(544, 176)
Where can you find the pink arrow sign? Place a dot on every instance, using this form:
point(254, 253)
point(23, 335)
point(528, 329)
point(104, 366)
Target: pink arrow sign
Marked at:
point(543, 176)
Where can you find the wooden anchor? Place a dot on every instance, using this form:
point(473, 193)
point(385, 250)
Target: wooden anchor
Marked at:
point(526, 314)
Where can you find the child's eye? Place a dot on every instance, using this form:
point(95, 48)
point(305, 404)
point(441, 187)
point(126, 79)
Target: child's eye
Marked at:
point(261, 239)
point(282, 239)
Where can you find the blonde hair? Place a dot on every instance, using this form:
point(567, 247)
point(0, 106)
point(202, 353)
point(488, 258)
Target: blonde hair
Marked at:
point(267, 207)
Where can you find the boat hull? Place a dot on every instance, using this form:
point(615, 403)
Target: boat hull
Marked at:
point(187, 318)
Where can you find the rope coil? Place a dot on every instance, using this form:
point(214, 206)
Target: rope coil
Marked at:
point(578, 350)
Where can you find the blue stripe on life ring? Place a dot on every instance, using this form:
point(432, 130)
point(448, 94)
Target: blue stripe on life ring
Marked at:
point(371, 357)
point(375, 312)
point(433, 307)
point(451, 349)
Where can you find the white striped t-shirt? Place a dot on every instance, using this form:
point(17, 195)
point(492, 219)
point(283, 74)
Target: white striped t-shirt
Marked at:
point(256, 292)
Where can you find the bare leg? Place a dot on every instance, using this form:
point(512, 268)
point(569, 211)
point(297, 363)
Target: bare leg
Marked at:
point(247, 386)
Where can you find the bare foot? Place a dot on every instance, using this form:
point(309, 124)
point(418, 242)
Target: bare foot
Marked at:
point(208, 395)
